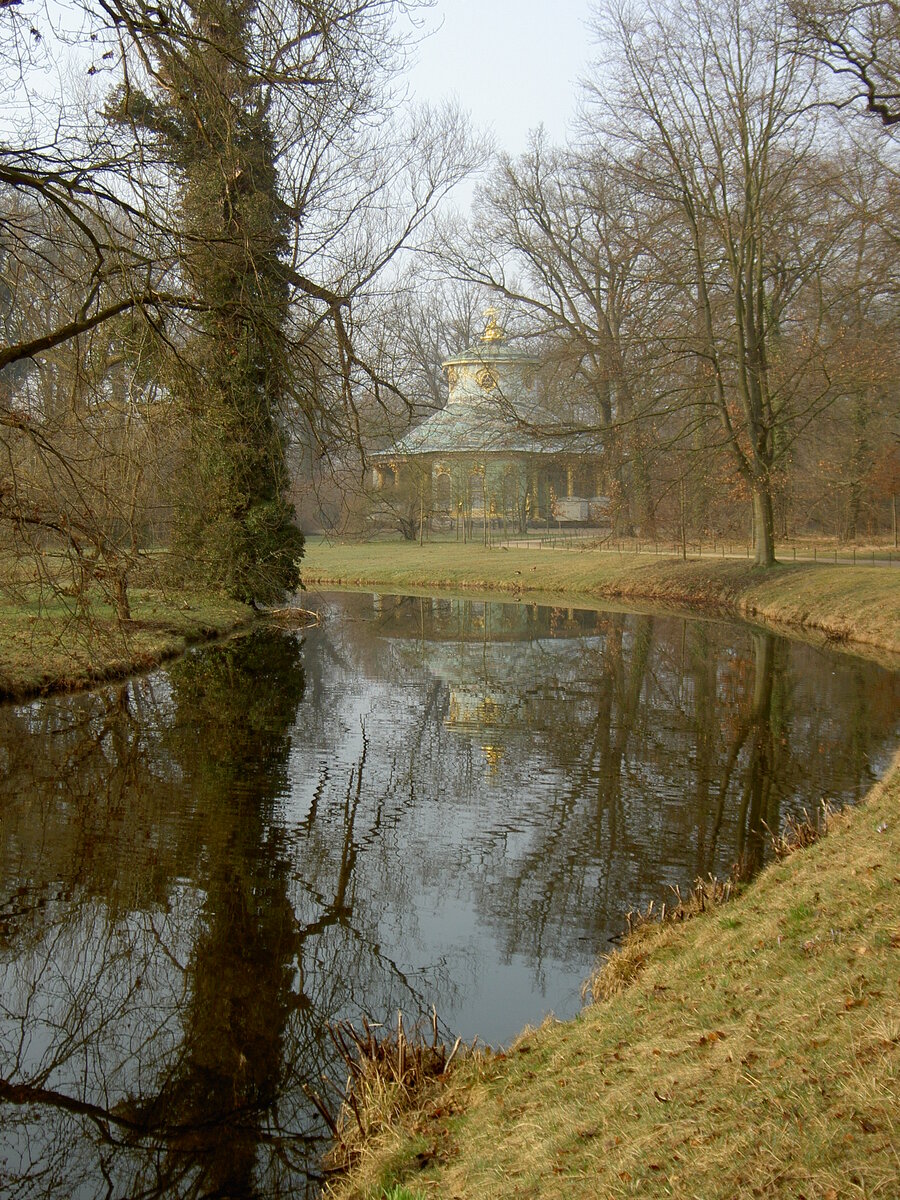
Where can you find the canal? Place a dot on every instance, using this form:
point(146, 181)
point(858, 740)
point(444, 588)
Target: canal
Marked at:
point(419, 802)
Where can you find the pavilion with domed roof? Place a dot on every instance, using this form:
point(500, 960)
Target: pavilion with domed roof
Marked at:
point(485, 458)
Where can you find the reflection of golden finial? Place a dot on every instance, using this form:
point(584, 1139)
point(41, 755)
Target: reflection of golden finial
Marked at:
point(492, 331)
point(494, 757)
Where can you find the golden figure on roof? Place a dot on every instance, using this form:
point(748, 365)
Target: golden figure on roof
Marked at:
point(492, 331)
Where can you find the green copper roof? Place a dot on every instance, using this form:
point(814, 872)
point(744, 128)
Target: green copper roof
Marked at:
point(490, 408)
point(464, 427)
point(492, 352)
point(467, 427)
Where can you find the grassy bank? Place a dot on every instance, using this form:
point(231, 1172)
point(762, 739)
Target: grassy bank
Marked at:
point(854, 605)
point(45, 647)
point(756, 1052)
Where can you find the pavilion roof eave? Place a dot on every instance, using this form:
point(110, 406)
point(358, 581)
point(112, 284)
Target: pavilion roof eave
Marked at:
point(548, 448)
point(491, 352)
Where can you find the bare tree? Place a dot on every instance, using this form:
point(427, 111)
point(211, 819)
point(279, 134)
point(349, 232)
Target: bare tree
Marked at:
point(841, 464)
point(712, 104)
point(564, 237)
point(859, 40)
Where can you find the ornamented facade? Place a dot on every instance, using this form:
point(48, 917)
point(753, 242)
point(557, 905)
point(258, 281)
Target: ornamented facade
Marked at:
point(485, 458)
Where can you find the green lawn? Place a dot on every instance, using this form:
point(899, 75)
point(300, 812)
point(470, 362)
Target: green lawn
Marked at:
point(45, 644)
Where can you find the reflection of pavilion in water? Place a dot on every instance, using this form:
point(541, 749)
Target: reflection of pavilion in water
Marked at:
point(486, 652)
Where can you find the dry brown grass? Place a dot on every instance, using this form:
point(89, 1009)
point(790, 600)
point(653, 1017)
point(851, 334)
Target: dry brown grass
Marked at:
point(645, 931)
point(620, 967)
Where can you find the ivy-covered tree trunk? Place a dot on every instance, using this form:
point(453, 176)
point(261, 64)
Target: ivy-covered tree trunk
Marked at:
point(234, 527)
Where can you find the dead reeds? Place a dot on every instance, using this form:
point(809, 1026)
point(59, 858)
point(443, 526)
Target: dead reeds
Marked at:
point(705, 894)
point(388, 1070)
point(799, 832)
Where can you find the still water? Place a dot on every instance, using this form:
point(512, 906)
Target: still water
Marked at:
point(421, 802)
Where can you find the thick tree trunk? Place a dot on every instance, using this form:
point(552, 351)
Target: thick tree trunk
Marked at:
point(643, 514)
point(123, 608)
point(763, 523)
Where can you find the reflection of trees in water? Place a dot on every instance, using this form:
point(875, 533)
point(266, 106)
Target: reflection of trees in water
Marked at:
point(88, 768)
point(639, 752)
point(165, 1050)
point(719, 750)
point(232, 1066)
point(688, 754)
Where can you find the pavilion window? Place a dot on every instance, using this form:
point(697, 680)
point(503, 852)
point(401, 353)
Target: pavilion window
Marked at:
point(442, 492)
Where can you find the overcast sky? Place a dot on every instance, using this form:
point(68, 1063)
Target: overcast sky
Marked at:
point(513, 64)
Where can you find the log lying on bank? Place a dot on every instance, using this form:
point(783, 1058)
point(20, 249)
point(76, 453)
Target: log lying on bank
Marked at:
point(292, 618)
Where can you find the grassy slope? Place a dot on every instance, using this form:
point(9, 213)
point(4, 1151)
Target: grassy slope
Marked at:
point(43, 648)
point(757, 1054)
point(848, 604)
